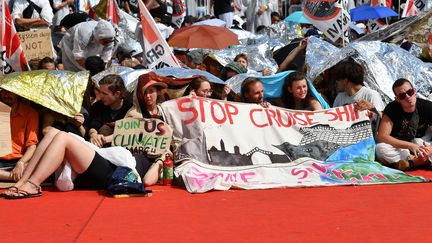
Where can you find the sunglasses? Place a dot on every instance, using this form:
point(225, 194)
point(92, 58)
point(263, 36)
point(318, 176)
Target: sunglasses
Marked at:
point(408, 93)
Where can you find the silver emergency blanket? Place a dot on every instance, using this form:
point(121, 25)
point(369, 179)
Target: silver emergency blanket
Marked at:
point(260, 48)
point(129, 75)
point(383, 62)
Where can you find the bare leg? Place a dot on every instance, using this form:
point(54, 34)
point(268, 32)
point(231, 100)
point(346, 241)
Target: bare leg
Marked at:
point(63, 146)
point(40, 150)
point(5, 175)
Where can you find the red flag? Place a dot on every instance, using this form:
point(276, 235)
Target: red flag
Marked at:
point(105, 9)
point(12, 55)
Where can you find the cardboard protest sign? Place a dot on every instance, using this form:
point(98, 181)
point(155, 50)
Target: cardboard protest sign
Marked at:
point(5, 130)
point(36, 43)
point(142, 136)
point(338, 143)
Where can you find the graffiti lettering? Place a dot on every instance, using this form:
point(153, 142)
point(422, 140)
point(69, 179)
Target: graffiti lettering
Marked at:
point(200, 178)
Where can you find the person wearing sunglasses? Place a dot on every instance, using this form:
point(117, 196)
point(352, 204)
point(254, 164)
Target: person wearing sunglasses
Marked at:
point(403, 131)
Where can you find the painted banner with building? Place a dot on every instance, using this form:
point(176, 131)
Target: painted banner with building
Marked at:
point(275, 146)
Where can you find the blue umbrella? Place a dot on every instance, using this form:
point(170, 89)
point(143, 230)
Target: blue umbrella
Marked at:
point(371, 12)
point(297, 17)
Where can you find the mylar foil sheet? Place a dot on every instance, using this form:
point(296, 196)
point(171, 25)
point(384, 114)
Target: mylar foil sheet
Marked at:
point(384, 63)
point(60, 91)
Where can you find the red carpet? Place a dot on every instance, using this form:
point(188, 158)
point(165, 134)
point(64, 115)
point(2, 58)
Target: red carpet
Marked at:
point(397, 213)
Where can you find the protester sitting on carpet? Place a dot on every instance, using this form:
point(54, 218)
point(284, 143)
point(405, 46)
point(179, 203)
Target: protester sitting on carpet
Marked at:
point(232, 69)
point(349, 77)
point(47, 63)
point(200, 87)
point(93, 170)
point(90, 38)
point(112, 106)
point(296, 94)
point(252, 91)
point(404, 130)
point(24, 125)
point(242, 58)
point(145, 97)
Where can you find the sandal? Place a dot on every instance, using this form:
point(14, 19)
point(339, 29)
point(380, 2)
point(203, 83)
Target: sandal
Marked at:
point(21, 194)
point(9, 189)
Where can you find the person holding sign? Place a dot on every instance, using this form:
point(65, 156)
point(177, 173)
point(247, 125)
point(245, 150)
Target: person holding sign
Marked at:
point(296, 94)
point(32, 14)
point(149, 88)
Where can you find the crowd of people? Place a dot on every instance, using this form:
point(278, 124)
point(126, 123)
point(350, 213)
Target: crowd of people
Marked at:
point(43, 140)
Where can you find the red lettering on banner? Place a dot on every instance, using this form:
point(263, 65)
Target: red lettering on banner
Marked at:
point(271, 115)
point(213, 113)
point(201, 107)
point(231, 113)
point(299, 119)
point(227, 110)
point(180, 103)
point(231, 178)
point(343, 113)
point(253, 120)
point(289, 118)
point(309, 118)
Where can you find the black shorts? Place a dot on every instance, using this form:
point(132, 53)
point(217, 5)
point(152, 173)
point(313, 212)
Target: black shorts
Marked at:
point(96, 176)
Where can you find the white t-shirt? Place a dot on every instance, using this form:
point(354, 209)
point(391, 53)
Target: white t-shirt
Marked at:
point(46, 12)
point(363, 94)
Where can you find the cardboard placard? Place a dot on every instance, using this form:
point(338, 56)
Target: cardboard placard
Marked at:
point(142, 136)
point(5, 130)
point(36, 43)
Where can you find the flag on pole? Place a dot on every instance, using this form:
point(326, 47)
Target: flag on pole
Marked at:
point(105, 9)
point(12, 56)
point(410, 9)
point(157, 53)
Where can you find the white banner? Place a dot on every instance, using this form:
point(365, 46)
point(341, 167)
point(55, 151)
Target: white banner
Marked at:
point(225, 144)
point(157, 53)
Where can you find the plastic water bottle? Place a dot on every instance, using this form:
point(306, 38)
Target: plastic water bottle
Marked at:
point(168, 171)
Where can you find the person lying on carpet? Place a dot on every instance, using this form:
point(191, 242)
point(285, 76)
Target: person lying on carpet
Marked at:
point(85, 159)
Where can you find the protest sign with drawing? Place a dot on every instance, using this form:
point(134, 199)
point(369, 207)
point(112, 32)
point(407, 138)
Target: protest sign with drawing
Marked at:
point(330, 17)
point(36, 43)
point(5, 130)
point(143, 136)
point(227, 144)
